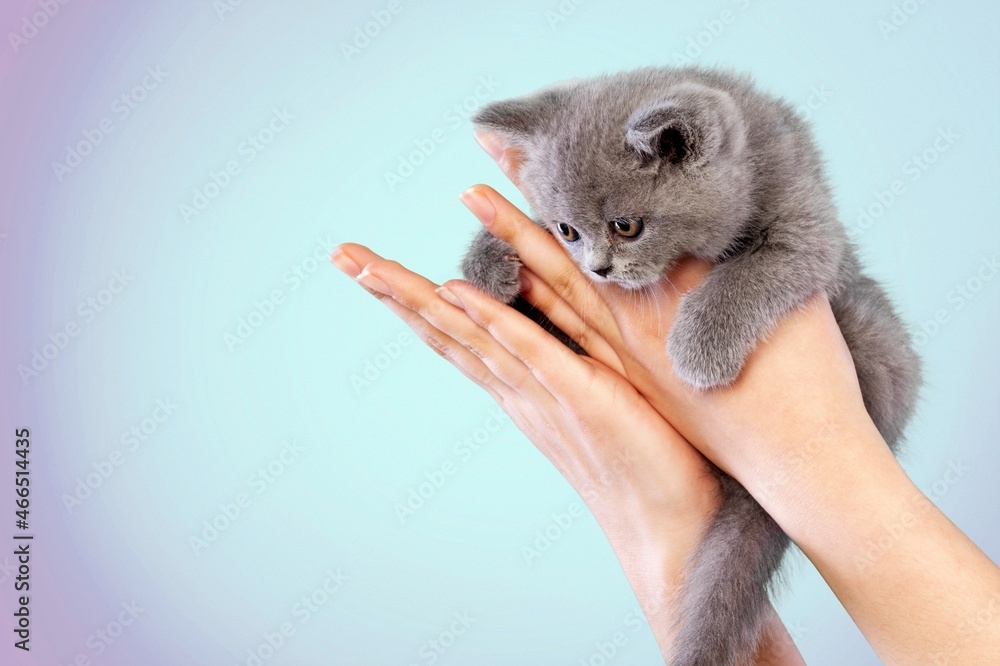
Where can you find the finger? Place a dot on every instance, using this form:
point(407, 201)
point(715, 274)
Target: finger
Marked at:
point(543, 254)
point(349, 256)
point(418, 294)
point(537, 292)
point(451, 350)
point(531, 408)
point(557, 368)
point(529, 413)
point(532, 413)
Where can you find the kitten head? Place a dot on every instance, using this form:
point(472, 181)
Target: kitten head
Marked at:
point(630, 172)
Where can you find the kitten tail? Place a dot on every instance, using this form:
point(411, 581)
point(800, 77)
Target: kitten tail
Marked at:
point(724, 600)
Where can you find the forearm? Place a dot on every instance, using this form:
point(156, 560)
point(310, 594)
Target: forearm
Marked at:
point(917, 587)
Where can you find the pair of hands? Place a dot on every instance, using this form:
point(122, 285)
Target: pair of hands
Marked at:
point(627, 434)
point(585, 412)
point(634, 440)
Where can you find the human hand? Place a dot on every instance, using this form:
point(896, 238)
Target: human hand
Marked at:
point(651, 492)
point(616, 451)
point(793, 429)
point(749, 429)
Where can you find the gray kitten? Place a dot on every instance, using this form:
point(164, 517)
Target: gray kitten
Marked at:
point(632, 171)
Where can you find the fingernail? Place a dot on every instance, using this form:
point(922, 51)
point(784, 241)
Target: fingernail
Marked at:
point(450, 296)
point(479, 204)
point(491, 143)
point(372, 282)
point(344, 262)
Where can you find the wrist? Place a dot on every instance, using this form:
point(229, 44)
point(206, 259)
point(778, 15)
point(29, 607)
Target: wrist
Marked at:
point(840, 491)
point(802, 463)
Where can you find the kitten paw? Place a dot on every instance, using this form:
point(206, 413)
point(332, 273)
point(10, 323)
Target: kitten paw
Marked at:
point(493, 266)
point(704, 353)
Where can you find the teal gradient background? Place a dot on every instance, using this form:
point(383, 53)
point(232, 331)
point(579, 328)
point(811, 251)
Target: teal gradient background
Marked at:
point(178, 327)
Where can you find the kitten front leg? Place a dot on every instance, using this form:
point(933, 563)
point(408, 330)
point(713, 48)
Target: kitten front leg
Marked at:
point(721, 321)
point(492, 265)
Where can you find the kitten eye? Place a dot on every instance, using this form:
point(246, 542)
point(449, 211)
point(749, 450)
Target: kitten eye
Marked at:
point(629, 227)
point(567, 232)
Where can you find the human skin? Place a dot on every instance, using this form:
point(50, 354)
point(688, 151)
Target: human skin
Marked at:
point(792, 429)
point(650, 491)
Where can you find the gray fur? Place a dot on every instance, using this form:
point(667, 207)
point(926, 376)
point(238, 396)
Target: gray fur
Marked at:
point(717, 169)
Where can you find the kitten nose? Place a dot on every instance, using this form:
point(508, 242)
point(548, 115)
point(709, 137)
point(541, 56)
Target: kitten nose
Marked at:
point(603, 272)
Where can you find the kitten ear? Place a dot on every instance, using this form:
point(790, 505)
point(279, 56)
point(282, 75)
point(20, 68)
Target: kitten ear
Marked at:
point(519, 118)
point(691, 126)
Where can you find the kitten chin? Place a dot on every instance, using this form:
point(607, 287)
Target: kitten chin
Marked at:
point(632, 285)
point(638, 282)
